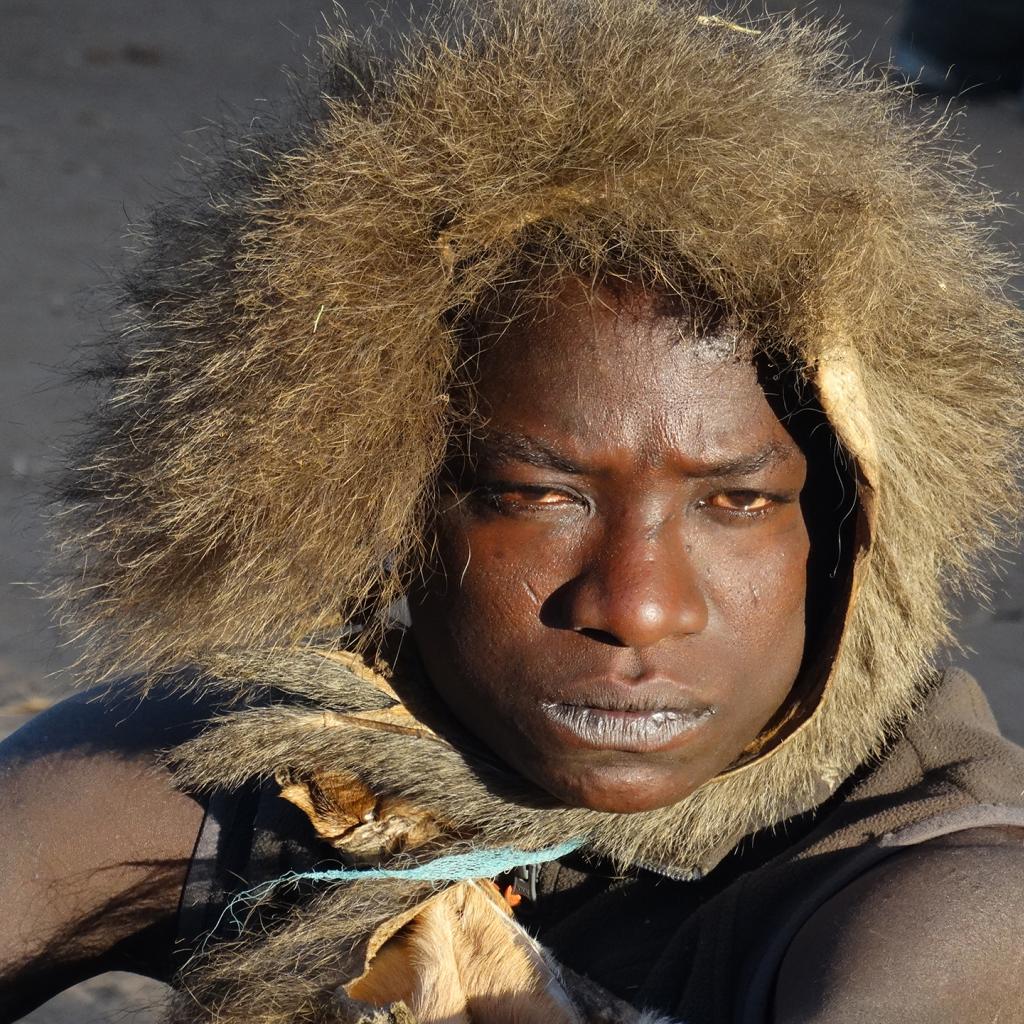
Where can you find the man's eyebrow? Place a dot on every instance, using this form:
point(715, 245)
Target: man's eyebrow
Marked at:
point(531, 451)
point(771, 454)
point(494, 444)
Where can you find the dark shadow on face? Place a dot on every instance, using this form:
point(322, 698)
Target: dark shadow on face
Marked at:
point(618, 604)
point(836, 530)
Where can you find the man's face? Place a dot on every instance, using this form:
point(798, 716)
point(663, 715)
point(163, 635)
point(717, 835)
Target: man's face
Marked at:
point(618, 602)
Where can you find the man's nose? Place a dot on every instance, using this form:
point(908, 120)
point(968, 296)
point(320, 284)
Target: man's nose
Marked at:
point(638, 587)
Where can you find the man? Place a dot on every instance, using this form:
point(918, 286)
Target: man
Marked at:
point(657, 365)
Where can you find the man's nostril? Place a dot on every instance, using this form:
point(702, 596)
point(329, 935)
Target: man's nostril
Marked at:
point(601, 636)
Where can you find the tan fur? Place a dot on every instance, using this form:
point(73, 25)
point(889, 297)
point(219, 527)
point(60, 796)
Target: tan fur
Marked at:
point(351, 1011)
point(281, 398)
point(462, 960)
point(264, 464)
point(357, 822)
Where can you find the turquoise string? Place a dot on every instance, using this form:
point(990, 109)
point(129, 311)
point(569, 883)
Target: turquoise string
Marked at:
point(455, 867)
point(451, 868)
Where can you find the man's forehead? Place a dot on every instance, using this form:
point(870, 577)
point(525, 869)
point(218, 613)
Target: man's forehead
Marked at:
point(605, 369)
point(590, 313)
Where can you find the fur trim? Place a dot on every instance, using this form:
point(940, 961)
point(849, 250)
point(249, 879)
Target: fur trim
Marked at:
point(278, 405)
point(279, 402)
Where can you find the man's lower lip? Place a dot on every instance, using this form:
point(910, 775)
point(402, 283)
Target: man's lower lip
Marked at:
point(631, 731)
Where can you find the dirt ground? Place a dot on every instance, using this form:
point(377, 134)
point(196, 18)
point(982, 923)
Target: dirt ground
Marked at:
point(99, 106)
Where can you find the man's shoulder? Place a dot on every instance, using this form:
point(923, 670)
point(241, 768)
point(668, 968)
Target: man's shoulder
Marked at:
point(123, 719)
point(103, 745)
point(97, 839)
point(932, 933)
point(108, 741)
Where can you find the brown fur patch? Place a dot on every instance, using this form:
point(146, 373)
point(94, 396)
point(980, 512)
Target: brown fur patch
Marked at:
point(360, 825)
point(462, 959)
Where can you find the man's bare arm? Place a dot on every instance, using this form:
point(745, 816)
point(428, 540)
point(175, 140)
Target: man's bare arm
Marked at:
point(933, 934)
point(95, 842)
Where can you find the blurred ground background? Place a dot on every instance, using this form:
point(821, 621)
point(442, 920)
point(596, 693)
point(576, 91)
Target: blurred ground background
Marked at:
point(100, 103)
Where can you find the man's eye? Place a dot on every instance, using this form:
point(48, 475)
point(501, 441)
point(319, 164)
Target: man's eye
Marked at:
point(512, 498)
point(746, 503)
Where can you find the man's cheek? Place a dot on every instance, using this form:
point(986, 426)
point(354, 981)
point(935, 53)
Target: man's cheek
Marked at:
point(760, 599)
point(515, 576)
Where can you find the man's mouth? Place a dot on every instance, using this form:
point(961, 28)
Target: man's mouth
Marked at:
point(637, 729)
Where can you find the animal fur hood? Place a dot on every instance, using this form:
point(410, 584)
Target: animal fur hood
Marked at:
point(263, 466)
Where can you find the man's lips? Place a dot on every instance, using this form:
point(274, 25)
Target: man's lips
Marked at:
point(641, 716)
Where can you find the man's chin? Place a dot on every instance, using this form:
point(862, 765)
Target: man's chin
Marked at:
point(619, 788)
